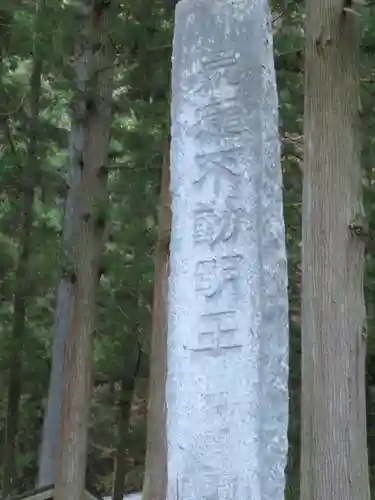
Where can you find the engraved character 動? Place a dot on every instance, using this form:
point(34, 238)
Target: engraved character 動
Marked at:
point(213, 225)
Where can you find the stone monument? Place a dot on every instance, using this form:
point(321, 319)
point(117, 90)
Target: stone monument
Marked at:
point(227, 381)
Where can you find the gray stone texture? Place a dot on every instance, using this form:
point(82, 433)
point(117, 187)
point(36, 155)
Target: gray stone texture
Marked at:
point(227, 383)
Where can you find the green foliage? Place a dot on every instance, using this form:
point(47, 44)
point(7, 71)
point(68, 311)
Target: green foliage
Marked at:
point(138, 132)
point(142, 34)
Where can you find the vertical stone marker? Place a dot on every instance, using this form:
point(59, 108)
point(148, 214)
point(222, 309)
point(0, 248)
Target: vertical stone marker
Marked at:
point(227, 397)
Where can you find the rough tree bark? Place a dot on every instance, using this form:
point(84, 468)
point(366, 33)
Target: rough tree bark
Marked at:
point(22, 283)
point(334, 460)
point(155, 481)
point(51, 423)
point(91, 116)
point(128, 384)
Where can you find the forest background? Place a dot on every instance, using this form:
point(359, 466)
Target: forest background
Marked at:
point(141, 33)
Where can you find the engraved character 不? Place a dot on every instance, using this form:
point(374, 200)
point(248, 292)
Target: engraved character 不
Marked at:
point(219, 164)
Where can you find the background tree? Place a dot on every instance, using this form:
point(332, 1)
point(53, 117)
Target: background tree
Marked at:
point(334, 449)
point(91, 120)
point(29, 176)
point(155, 480)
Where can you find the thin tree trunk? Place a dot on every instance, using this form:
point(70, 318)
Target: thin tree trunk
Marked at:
point(334, 461)
point(51, 423)
point(127, 391)
point(89, 198)
point(22, 287)
point(155, 482)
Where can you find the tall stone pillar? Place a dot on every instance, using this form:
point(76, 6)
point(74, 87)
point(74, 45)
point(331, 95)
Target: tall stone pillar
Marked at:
point(227, 387)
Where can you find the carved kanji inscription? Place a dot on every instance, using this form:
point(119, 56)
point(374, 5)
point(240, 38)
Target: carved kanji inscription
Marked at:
point(212, 276)
point(226, 348)
point(219, 116)
point(220, 166)
point(221, 65)
point(217, 332)
point(213, 224)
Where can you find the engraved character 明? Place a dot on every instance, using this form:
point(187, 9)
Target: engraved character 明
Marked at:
point(211, 276)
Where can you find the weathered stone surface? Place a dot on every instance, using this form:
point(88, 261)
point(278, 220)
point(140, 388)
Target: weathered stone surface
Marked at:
point(227, 397)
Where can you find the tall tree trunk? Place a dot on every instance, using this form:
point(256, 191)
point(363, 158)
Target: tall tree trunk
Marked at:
point(51, 423)
point(334, 461)
point(29, 174)
point(125, 399)
point(89, 198)
point(155, 482)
